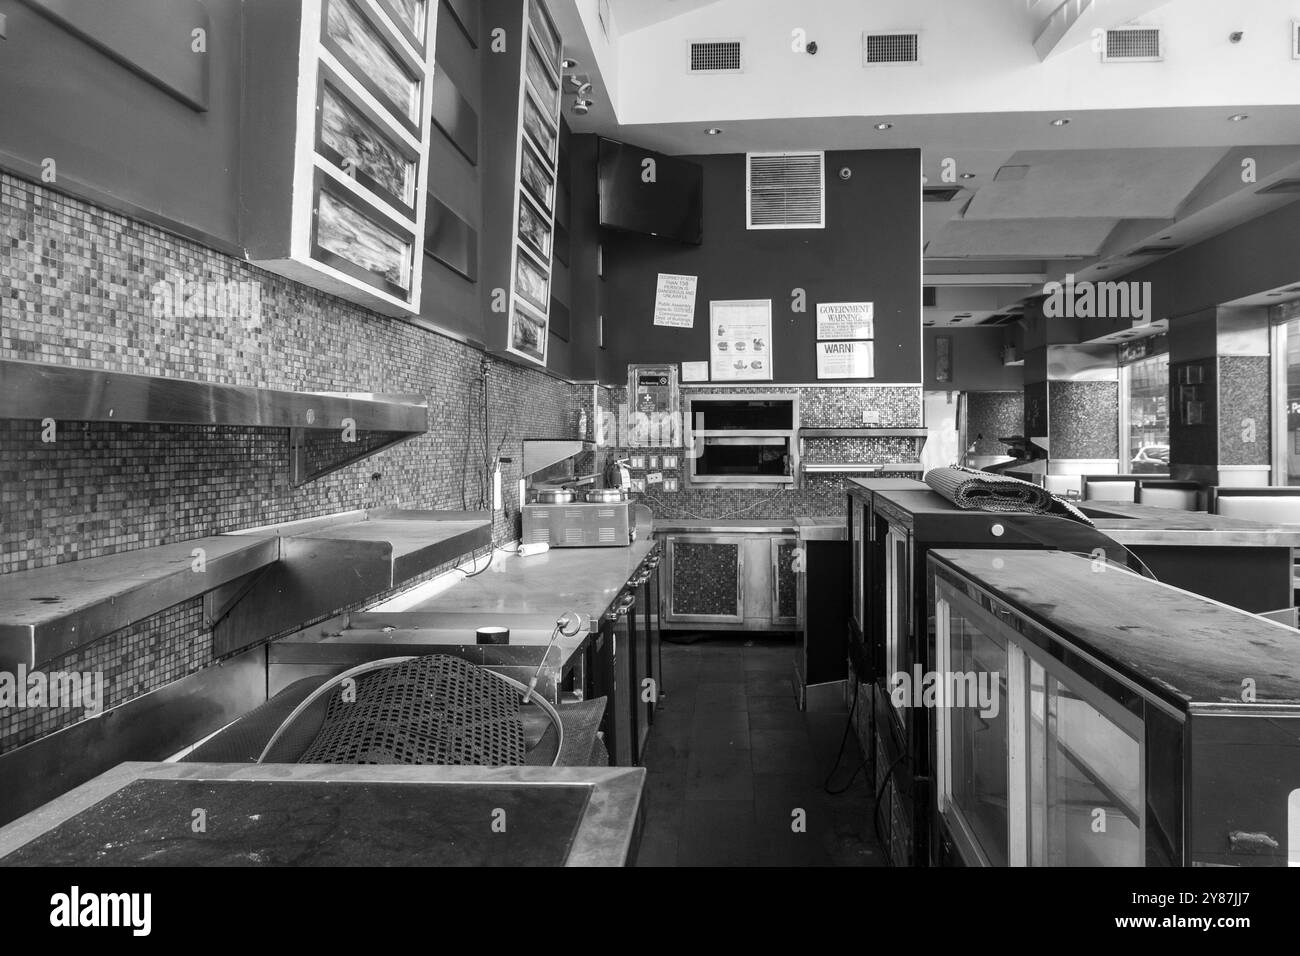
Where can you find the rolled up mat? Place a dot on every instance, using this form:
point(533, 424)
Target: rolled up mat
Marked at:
point(974, 490)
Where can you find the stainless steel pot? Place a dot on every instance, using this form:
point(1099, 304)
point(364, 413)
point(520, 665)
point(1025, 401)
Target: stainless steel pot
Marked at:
point(606, 496)
point(554, 496)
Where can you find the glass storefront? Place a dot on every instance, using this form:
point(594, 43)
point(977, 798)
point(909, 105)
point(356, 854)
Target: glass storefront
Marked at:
point(1147, 389)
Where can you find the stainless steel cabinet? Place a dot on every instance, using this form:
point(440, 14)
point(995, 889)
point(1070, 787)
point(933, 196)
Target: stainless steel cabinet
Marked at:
point(731, 581)
point(705, 580)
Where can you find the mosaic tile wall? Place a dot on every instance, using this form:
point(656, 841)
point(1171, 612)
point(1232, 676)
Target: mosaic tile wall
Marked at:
point(990, 415)
point(77, 287)
point(1243, 397)
point(1084, 419)
point(896, 406)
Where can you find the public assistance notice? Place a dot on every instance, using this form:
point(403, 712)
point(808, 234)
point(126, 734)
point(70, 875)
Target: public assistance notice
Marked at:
point(675, 301)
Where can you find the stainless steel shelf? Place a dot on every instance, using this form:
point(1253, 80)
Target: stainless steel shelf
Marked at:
point(330, 564)
point(36, 390)
point(49, 611)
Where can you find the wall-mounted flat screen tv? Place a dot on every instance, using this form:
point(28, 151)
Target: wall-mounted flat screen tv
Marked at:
point(669, 203)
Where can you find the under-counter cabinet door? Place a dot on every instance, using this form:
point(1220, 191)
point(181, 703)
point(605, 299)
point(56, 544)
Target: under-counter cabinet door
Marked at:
point(786, 560)
point(705, 579)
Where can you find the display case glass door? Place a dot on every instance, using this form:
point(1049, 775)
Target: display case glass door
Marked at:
point(785, 582)
point(856, 535)
point(897, 600)
point(1035, 767)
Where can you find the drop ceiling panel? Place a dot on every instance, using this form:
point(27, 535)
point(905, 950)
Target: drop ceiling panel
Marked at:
point(1020, 238)
point(1093, 183)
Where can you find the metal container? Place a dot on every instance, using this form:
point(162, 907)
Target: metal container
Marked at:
point(554, 496)
point(606, 496)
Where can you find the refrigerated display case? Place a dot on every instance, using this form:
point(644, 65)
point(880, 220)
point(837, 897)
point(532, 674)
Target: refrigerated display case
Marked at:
point(1115, 721)
point(902, 527)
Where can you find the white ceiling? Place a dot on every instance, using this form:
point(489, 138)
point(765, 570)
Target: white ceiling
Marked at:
point(1149, 151)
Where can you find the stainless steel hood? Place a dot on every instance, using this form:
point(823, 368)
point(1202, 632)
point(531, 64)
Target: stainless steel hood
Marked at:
point(37, 391)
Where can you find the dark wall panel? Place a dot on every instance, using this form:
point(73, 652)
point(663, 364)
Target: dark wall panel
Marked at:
point(869, 251)
point(454, 117)
point(116, 137)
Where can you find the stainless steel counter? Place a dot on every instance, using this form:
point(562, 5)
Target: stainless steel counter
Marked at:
point(1133, 524)
point(814, 527)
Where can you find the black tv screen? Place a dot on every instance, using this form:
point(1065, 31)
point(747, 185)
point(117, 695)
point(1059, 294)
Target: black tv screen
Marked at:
point(672, 205)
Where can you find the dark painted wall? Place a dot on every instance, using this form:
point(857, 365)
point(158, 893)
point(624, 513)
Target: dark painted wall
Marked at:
point(114, 136)
point(869, 251)
point(976, 362)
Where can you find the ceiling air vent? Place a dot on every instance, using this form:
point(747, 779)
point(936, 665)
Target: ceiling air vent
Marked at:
point(1002, 318)
point(1133, 45)
point(881, 49)
point(714, 56)
point(940, 193)
point(785, 190)
point(1281, 186)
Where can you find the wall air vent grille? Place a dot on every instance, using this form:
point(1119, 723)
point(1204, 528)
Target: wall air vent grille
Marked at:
point(1133, 45)
point(880, 49)
point(715, 56)
point(785, 190)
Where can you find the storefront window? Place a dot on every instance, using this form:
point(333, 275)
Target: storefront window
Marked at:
point(1148, 416)
point(1290, 461)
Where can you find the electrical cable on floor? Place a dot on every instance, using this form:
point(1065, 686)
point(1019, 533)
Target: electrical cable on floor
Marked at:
point(848, 725)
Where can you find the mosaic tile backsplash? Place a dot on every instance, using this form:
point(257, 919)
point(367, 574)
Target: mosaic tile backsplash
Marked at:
point(79, 286)
point(993, 415)
point(897, 406)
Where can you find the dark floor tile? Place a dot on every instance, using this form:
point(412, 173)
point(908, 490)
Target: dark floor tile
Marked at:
point(719, 773)
point(773, 705)
point(775, 719)
point(782, 751)
point(721, 724)
point(768, 684)
point(666, 752)
point(717, 833)
point(714, 696)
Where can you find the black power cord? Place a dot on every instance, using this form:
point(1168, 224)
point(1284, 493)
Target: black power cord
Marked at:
point(844, 739)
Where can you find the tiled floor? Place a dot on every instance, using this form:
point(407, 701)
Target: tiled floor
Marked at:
point(733, 765)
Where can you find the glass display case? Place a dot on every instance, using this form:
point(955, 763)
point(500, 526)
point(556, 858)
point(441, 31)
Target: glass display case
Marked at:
point(1098, 719)
point(902, 526)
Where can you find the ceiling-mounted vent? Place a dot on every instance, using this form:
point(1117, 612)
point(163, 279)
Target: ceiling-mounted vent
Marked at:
point(785, 190)
point(1154, 250)
point(1133, 45)
point(1002, 318)
point(1281, 186)
point(1295, 39)
point(882, 49)
point(714, 56)
point(940, 193)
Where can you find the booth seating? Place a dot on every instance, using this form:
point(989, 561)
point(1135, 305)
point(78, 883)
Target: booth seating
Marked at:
point(1156, 491)
point(1274, 504)
point(1111, 488)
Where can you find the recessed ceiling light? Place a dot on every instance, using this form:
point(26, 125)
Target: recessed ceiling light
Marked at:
point(568, 64)
point(712, 131)
point(1238, 117)
point(1062, 121)
point(962, 315)
point(884, 126)
point(967, 175)
point(1273, 293)
point(1163, 238)
point(1102, 268)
